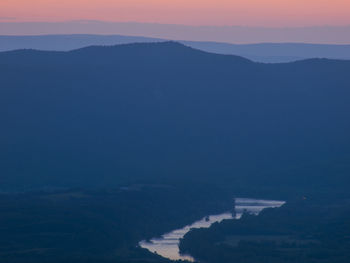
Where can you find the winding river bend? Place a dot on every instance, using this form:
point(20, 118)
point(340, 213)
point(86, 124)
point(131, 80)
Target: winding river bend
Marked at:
point(168, 244)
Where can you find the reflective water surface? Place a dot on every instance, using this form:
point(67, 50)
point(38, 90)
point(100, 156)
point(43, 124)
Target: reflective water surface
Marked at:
point(168, 244)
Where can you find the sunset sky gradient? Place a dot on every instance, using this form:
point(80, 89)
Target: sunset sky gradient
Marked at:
point(275, 13)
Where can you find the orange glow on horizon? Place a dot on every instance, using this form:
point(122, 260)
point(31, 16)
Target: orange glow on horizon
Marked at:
point(192, 12)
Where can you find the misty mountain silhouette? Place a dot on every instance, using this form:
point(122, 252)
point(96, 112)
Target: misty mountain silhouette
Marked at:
point(102, 116)
point(261, 52)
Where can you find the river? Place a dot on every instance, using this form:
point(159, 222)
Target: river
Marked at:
point(168, 244)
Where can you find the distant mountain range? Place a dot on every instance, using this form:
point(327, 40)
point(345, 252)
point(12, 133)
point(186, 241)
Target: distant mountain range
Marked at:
point(227, 34)
point(103, 116)
point(264, 52)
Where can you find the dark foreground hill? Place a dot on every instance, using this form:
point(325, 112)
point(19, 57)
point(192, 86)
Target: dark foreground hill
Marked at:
point(103, 116)
point(98, 226)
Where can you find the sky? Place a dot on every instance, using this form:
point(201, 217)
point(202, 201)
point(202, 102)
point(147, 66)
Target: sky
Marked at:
point(269, 13)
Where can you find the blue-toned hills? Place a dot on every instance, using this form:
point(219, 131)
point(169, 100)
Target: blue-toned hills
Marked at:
point(156, 112)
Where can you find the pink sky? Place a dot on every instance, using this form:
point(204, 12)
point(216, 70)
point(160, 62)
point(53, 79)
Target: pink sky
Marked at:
point(275, 13)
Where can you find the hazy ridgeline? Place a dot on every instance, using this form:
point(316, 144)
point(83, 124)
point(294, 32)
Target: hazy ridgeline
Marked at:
point(228, 34)
point(261, 52)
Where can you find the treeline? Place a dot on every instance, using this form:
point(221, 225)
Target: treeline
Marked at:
point(304, 230)
point(81, 225)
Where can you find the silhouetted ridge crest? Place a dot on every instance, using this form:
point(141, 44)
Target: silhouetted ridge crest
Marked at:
point(158, 51)
point(263, 52)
